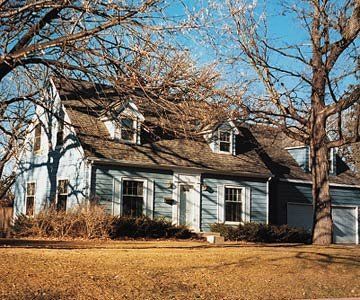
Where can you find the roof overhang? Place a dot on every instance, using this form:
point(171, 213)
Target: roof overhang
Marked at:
point(116, 162)
point(309, 182)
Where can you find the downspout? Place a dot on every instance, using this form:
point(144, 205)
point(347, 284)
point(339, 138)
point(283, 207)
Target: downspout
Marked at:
point(89, 180)
point(268, 198)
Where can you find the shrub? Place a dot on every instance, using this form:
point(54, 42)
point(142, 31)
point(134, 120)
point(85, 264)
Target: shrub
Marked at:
point(144, 227)
point(90, 222)
point(82, 222)
point(262, 233)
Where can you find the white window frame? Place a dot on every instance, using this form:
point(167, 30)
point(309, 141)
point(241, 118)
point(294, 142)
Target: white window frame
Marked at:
point(230, 142)
point(118, 130)
point(243, 207)
point(67, 191)
point(332, 156)
point(145, 192)
point(26, 196)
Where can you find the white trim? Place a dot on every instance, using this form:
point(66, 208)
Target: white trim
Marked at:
point(89, 165)
point(357, 224)
point(220, 204)
point(309, 182)
point(243, 203)
point(145, 191)
point(67, 190)
point(191, 179)
point(230, 142)
point(268, 200)
point(26, 189)
point(296, 147)
point(148, 195)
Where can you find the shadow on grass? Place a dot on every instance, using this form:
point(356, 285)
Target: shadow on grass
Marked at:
point(128, 244)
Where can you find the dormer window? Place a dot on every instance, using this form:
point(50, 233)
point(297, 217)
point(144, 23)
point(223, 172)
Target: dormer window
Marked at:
point(126, 130)
point(225, 141)
point(37, 138)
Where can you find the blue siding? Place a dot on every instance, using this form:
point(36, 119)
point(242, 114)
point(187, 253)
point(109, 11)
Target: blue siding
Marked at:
point(301, 155)
point(301, 193)
point(102, 185)
point(51, 165)
point(209, 210)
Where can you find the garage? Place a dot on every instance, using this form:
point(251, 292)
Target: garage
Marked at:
point(345, 218)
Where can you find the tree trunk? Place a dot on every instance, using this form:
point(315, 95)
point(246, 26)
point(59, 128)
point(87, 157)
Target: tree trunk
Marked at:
point(322, 226)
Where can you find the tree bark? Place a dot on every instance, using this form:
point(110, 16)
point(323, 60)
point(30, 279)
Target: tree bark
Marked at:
point(322, 220)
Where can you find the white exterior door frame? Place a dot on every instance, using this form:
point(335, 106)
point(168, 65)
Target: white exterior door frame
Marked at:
point(191, 179)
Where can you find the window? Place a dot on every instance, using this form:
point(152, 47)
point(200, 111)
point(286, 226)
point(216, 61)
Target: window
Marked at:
point(60, 130)
point(62, 194)
point(233, 204)
point(30, 198)
point(126, 130)
point(225, 141)
point(37, 137)
point(132, 198)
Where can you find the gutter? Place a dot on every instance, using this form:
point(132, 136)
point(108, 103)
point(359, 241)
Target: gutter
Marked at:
point(309, 182)
point(116, 162)
point(268, 198)
point(90, 163)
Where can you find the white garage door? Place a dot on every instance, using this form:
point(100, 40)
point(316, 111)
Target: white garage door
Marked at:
point(344, 218)
point(345, 224)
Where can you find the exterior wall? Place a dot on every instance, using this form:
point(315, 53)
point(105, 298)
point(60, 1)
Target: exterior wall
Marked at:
point(301, 193)
point(209, 205)
point(51, 164)
point(106, 187)
point(106, 180)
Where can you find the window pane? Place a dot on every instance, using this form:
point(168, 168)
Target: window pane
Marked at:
point(30, 189)
point(132, 206)
point(127, 129)
point(225, 147)
point(233, 212)
point(61, 202)
point(224, 141)
point(224, 136)
point(133, 198)
point(30, 206)
point(233, 204)
point(63, 186)
point(37, 137)
point(60, 133)
point(133, 188)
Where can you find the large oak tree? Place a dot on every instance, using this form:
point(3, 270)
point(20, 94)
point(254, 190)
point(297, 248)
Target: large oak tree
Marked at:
point(304, 77)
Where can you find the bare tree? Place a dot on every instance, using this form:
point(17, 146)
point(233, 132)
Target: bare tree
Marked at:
point(304, 82)
point(128, 44)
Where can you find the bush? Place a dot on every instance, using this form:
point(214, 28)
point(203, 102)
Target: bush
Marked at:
point(262, 233)
point(144, 227)
point(82, 222)
point(89, 222)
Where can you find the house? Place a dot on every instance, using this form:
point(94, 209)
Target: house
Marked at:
point(233, 173)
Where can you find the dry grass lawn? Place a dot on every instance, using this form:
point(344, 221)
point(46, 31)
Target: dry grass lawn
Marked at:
point(175, 270)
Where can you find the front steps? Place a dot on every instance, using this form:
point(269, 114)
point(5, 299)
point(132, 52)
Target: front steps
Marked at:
point(213, 237)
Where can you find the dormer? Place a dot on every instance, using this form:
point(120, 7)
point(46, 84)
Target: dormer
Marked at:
point(124, 123)
point(302, 156)
point(222, 139)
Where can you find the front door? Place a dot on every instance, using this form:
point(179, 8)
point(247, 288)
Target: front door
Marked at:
point(187, 205)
